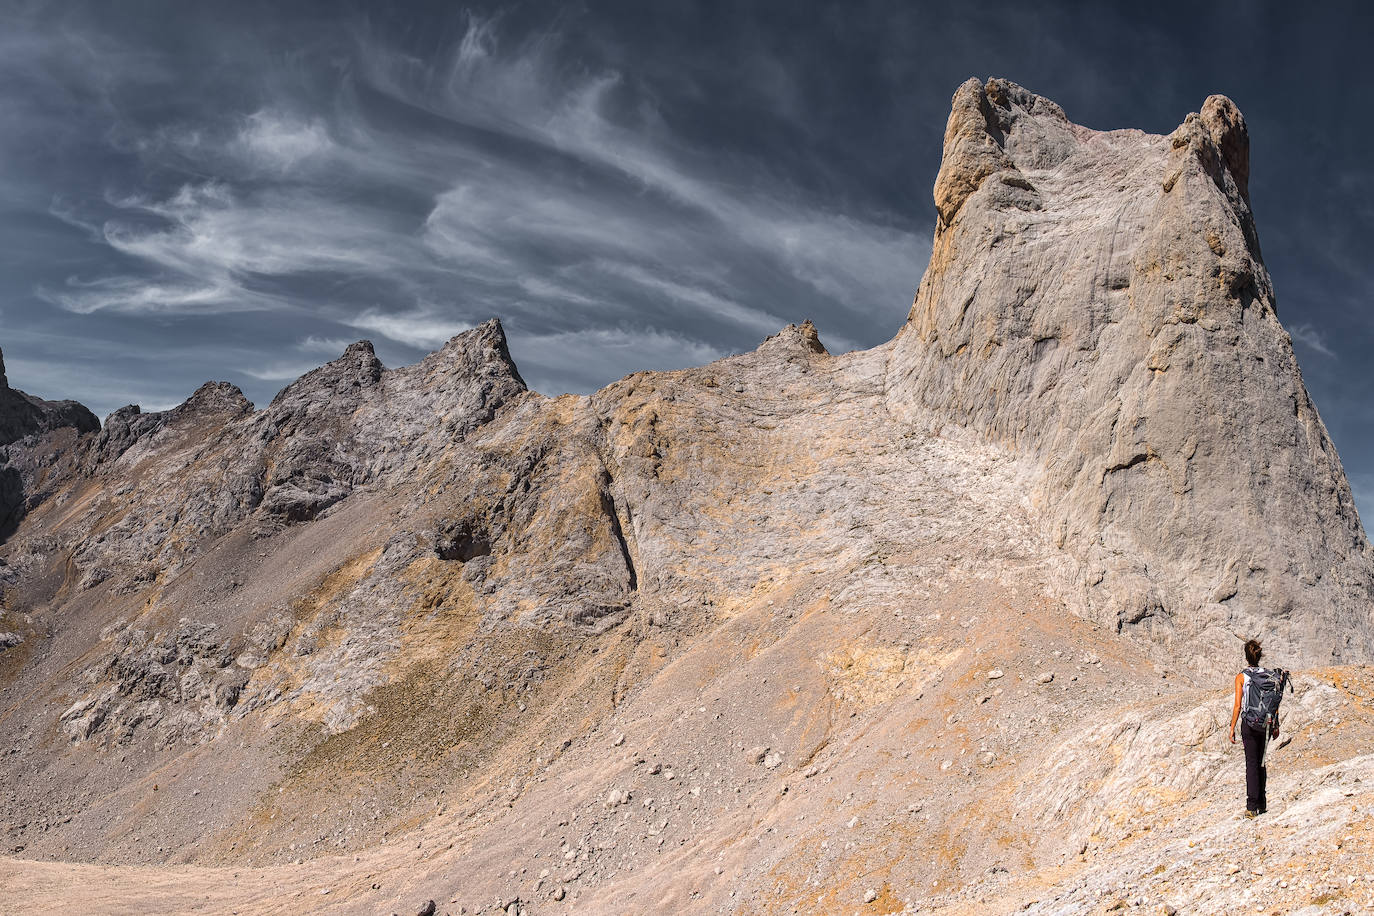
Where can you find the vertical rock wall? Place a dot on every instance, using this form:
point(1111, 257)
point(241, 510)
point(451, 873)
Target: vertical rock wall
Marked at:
point(1097, 300)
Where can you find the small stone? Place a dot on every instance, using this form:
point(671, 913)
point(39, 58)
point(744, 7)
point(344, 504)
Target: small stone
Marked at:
point(427, 909)
point(1232, 869)
point(560, 893)
point(1045, 677)
point(995, 674)
point(757, 754)
point(870, 895)
point(772, 761)
point(619, 740)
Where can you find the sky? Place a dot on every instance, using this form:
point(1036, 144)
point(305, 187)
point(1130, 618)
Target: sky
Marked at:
point(236, 191)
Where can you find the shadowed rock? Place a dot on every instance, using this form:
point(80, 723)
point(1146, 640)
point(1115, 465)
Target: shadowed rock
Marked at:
point(24, 419)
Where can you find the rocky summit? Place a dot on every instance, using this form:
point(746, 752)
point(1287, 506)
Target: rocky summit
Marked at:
point(943, 626)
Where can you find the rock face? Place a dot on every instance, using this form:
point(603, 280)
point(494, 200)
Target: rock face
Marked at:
point(24, 421)
point(1097, 302)
point(23, 415)
point(787, 629)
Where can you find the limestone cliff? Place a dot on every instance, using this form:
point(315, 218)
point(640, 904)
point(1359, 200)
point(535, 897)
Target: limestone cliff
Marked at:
point(1097, 302)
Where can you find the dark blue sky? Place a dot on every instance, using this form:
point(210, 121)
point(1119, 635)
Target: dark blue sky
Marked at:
point(237, 190)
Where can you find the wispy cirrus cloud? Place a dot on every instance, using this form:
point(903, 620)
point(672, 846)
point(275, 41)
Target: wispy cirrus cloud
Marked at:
point(424, 328)
point(419, 194)
point(1312, 338)
point(145, 294)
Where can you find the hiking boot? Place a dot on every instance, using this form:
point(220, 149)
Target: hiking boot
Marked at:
point(1251, 814)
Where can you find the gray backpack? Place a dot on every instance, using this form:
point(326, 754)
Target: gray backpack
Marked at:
point(1263, 694)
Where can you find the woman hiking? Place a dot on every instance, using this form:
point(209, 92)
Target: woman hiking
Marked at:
point(1255, 737)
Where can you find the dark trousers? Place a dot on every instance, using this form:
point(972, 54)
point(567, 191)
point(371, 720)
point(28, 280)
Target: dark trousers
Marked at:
point(1255, 772)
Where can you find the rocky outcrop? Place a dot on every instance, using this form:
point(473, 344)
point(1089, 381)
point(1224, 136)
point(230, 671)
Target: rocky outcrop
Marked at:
point(24, 462)
point(194, 472)
point(1097, 301)
point(23, 415)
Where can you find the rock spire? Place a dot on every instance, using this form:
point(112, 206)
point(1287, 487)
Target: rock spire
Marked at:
point(1097, 300)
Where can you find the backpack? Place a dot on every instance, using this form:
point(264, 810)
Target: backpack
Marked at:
point(1263, 694)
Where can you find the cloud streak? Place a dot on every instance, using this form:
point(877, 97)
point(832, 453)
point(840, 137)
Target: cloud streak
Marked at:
point(1312, 338)
point(423, 329)
point(522, 189)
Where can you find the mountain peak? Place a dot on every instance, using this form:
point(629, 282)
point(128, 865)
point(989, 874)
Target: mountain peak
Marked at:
point(1098, 300)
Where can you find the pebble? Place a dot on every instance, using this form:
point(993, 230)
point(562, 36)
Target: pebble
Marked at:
point(1045, 677)
point(995, 674)
point(870, 895)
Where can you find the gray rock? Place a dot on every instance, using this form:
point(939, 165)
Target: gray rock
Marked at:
point(1098, 301)
point(35, 448)
point(23, 415)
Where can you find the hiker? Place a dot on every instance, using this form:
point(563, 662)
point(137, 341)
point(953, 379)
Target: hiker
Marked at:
point(1258, 692)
